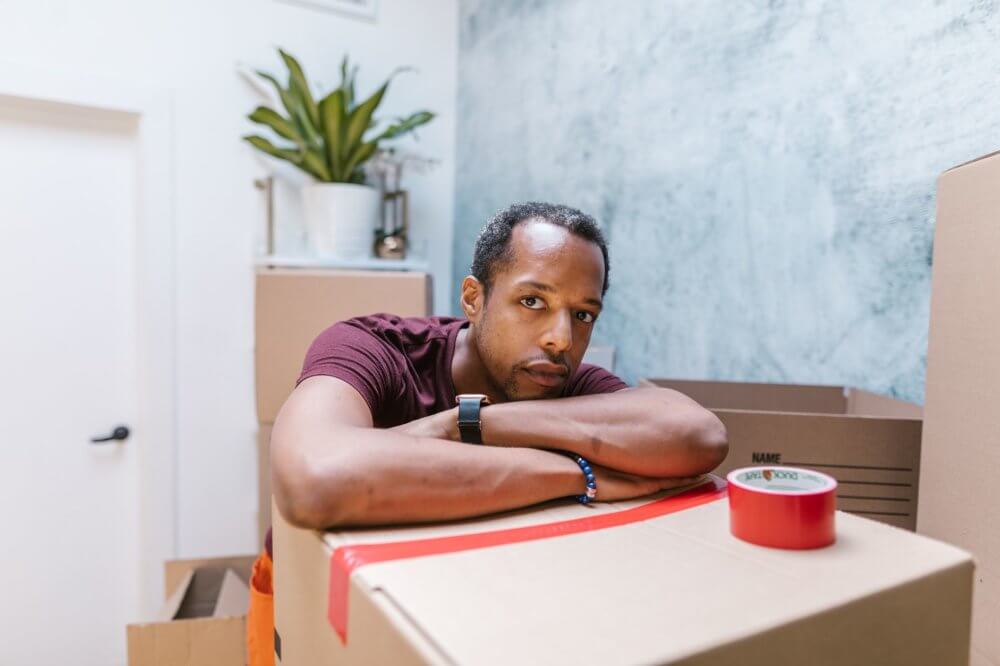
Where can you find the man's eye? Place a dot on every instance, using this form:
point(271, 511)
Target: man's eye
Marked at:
point(585, 317)
point(531, 302)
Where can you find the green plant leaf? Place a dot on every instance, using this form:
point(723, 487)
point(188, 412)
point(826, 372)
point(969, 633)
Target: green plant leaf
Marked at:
point(298, 85)
point(315, 164)
point(287, 99)
point(347, 76)
point(333, 116)
point(358, 157)
point(314, 161)
point(263, 145)
point(307, 161)
point(361, 117)
point(294, 106)
point(306, 128)
point(271, 118)
point(405, 125)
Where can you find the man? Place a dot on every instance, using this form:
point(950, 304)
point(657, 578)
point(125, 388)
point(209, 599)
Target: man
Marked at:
point(372, 435)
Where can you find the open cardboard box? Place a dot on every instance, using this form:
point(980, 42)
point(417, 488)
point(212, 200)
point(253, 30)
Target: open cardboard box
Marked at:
point(868, 442)
point(959, 495)
point(203, 620)
point(660, 588)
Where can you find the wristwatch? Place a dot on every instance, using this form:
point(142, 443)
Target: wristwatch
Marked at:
point(470, 425)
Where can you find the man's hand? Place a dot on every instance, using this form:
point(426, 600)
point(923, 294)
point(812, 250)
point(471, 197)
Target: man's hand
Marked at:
point(613, 485)
point(443, 425)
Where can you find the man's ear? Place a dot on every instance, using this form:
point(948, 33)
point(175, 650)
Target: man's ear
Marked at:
point(473, 298)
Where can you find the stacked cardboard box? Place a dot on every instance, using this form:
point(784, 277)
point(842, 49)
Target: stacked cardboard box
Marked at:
point(959, 493)
point(623, 584)
point(292, 307)
point(868, 442)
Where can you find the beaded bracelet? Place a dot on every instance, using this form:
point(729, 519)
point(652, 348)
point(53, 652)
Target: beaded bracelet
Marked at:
point(591, 493)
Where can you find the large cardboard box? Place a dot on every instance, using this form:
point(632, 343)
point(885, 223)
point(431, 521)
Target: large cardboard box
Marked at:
point(868, 442)
point(959, 494)
point(673, 588)
point(203, 620)
point(292, 306)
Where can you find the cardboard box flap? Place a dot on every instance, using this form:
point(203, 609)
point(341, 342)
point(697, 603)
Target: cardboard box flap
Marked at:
point(866, 403)
point(791, 398)
point(175, 571)
point(657, 569)
point(207, 592)
point(170, 607)
point(761, 397)
point(202, 593)
point(234, 596)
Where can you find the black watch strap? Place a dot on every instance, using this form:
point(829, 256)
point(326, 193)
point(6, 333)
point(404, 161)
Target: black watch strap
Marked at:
point(470, 427)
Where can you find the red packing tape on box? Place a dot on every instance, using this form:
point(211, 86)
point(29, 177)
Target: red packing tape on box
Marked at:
point(345, 559)
point(782, 507)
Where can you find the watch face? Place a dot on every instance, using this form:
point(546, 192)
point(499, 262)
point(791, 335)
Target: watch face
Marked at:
point(472, 396)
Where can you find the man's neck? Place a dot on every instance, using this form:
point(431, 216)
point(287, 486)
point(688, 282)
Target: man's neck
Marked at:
point(468, 373)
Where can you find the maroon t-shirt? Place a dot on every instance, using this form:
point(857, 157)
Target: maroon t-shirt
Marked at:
point(402, 366)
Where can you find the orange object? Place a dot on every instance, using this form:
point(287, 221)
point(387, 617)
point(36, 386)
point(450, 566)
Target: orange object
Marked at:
point(260, 617)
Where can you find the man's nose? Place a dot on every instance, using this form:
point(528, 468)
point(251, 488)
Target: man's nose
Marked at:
point(558, 337)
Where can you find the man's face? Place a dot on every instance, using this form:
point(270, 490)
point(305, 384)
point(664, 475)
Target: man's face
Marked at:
point(535, 325)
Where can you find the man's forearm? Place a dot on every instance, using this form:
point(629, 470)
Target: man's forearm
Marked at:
point(647, 431)
point(388, 477)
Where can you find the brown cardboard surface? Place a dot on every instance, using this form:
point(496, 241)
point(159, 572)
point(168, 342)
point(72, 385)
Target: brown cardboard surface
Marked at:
point(961, 455)
point(764, 397)
point(233, 599)
point(263, 482)
point(211, 596)
point(674, 589)
point(196, 642)
point(868, 442)
point(293, 306)
point(175, 571)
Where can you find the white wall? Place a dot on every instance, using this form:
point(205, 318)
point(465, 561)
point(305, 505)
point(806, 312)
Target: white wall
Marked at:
point(191, 48)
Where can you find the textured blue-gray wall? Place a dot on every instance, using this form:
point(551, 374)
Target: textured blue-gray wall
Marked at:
point(765, 170)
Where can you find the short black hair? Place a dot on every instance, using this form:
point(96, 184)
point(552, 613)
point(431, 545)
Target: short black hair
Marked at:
point(493, 245)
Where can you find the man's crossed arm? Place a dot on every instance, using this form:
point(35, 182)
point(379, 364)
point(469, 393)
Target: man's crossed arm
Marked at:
point(331, 467)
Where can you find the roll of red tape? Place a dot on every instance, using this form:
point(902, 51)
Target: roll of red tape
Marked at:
point(782, 507)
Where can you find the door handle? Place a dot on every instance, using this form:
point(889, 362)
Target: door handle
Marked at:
point(120, 433)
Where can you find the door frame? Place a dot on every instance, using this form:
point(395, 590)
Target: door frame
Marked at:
point(155, 297)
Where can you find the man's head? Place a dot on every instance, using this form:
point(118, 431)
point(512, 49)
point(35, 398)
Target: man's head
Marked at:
point(539, 273)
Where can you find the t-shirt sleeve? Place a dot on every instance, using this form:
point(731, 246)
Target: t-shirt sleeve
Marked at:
point(352, 354)
point(591, 379)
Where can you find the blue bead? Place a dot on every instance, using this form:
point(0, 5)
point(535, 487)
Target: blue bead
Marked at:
point(590, 477)
point(586, 469)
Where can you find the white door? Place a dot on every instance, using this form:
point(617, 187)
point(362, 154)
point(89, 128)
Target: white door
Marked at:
point(69, 551)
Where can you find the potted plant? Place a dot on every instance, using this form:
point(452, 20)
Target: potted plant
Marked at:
point(331, 140)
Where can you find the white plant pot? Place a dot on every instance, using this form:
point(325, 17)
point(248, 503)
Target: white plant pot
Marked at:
point(341, 219)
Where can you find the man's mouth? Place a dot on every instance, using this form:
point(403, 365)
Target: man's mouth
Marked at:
point(549, 375)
